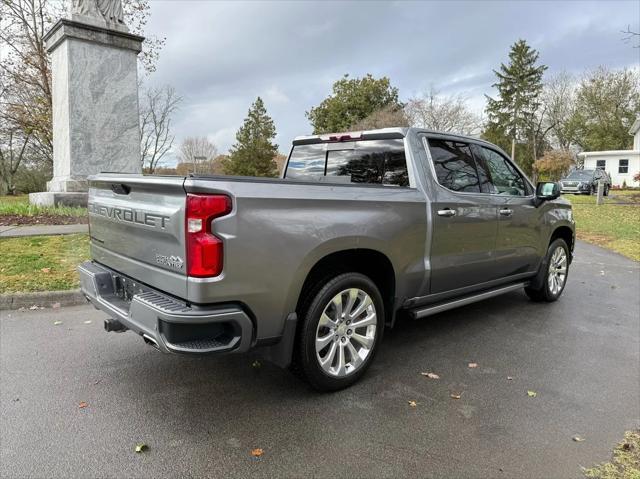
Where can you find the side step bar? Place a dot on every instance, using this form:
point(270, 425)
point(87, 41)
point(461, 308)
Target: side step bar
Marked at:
point(455, 303)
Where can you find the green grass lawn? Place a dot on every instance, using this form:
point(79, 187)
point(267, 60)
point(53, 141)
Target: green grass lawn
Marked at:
point(19, 206)
point(614, 225)
point(41, 263)
point(625, 463)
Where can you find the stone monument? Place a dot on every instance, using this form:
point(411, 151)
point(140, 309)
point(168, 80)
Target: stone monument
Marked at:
point(95, 99)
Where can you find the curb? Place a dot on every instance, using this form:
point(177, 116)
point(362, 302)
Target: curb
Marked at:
point(42, 299)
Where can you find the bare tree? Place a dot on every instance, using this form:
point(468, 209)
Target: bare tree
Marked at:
point(156, 108)
point(14, 147)
point(447, 113)
point(387, 116)
point(558, 108)
point(198, 151)
point(25, 68)
point(631, 36)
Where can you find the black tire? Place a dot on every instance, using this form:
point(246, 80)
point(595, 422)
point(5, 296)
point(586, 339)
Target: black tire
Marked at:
point(545, 293)
point(305, 359)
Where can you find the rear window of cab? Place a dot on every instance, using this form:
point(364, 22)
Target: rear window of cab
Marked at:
point(376, 162)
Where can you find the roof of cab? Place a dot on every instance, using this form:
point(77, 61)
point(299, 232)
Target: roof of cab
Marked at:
point(379, 134)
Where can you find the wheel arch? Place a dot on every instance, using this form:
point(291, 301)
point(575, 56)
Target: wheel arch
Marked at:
point(369, 262)
point(566, 233)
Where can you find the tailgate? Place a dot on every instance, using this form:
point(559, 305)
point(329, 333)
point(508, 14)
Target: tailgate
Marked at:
point(137, 228)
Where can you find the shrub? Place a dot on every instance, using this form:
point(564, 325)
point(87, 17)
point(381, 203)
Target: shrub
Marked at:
point(553, 165)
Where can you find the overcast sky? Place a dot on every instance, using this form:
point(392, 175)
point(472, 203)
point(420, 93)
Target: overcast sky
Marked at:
point(221, 55)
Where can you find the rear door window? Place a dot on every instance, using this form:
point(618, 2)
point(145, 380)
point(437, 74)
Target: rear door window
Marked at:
point(454, 165)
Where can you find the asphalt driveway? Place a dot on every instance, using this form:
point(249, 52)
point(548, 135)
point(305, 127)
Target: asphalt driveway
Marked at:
point(202, 417)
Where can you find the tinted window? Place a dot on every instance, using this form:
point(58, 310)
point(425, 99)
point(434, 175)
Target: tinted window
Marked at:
point(306, 162)
point(505, 179)
point(372, 161)
point(454, 165)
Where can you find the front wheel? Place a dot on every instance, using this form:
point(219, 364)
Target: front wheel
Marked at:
point(556, 274)
point(341, 329)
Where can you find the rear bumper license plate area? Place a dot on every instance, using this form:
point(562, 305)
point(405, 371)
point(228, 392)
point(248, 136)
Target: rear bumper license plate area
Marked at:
point(173, 325)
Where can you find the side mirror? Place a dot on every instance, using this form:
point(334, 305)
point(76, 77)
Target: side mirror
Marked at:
point(547, 191)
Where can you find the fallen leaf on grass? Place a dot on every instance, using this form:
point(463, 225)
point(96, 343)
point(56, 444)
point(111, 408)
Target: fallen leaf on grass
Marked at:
point(577, 438)
point(412, 403)
point(532, 394)
point(456, 396)
point(257, 452)
point(88, 321)
point(141, 447)
point(431, 375)
point(46, 270)
point(57, 323)
point(473, 365)
point(82, 405)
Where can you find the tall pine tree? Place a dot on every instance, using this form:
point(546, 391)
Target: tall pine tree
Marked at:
point(512, 114)
point(254, 152)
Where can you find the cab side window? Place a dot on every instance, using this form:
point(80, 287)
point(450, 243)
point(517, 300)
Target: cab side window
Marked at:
point(454, 165)
point(505, 179)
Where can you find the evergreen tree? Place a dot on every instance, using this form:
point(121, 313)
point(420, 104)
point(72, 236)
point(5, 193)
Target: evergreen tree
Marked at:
point(253, 153)
point(512, 115)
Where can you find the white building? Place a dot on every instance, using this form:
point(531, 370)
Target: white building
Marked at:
point(622, 165)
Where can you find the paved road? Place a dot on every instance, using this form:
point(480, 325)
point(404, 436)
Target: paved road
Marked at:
point(201, 417)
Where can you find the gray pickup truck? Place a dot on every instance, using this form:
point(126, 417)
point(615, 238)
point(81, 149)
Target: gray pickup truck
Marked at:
point(309, 269)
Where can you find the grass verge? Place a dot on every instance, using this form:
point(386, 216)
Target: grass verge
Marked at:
point(625, 463)
point(613, 225)
point(41, 263)
point(18, 210)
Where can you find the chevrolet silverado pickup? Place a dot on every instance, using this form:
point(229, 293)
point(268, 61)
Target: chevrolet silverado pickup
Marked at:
point(308, 269)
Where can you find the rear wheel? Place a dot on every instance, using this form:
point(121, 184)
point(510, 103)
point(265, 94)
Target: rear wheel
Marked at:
point(341, 328)
point(557, 272)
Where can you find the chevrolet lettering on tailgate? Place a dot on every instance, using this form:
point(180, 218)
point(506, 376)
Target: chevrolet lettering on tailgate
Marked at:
point(129, 215)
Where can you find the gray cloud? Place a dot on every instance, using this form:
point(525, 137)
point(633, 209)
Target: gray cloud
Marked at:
point(221, 55)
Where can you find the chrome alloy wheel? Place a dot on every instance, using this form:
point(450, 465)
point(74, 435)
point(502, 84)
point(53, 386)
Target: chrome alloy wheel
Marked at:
point(346, 332)
point(557, 270)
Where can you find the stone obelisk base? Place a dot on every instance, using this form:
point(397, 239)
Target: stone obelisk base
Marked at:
point(95, 107)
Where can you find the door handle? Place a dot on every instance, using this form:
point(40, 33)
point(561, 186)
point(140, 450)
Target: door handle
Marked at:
point(506, 212)
point(447, 212)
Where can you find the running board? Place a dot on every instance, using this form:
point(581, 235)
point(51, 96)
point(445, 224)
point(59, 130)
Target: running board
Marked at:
point(455, 303)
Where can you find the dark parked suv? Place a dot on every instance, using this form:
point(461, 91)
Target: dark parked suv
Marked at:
point(585, 182)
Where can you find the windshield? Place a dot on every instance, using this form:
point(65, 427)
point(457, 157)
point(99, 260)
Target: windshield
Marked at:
point(580, 175)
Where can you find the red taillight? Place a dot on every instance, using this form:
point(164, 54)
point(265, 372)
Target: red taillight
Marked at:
point(204, 250)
